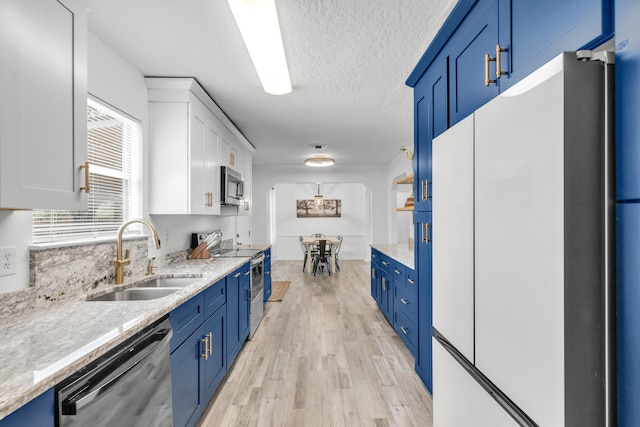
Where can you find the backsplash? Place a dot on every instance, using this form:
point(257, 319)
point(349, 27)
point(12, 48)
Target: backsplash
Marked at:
point(57, 274)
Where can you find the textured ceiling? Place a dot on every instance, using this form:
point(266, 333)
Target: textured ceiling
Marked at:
point(348, 61)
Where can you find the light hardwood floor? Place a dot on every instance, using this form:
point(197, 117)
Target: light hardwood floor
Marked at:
point(324, 356)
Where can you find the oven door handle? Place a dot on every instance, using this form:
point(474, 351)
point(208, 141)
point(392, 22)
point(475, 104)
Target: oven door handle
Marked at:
point(74, 403)
point(257, 260)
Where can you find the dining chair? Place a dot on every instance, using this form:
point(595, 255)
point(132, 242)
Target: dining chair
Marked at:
point(318, 235)
point(321, 258)
point(306, 249)
point(336, 249)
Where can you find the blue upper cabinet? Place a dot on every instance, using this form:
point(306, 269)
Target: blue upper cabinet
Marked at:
point(432, 118)
point(500, 42)
point(471, 52)
point(533, 32)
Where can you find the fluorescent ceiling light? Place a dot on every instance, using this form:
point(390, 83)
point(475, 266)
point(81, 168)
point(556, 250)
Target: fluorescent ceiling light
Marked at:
point(319, 160)
point(257, 21)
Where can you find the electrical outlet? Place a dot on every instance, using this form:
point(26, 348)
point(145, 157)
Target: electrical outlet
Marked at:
point(7, 261)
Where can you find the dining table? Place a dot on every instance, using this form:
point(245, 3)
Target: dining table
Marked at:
point(309, 241)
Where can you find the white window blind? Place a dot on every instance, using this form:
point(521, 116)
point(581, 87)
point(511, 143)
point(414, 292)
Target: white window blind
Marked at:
point(113, 152)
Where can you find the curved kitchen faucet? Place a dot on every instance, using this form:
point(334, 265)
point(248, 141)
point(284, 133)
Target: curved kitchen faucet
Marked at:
point(120, 262)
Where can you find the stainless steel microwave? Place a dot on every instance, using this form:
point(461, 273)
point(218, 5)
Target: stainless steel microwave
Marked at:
point(231, 187)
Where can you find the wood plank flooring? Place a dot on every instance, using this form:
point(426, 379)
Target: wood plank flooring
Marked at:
point(324, 356)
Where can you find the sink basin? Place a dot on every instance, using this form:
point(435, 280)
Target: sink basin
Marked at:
point(168, 282)
point(136, 294)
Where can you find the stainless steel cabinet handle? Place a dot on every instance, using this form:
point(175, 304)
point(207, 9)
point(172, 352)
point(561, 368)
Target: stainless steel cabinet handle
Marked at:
point(384, 284)
point(373, 273)
point(210, 334)
point(235, 276)
point(411, 281)
point(246, 273)
point(397, 271)
point(404, 301)
point(205, 340)
point(385, 263)
point(404, 330)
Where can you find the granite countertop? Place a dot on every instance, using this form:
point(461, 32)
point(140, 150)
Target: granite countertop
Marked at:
point(43, 346)
point(400, 253)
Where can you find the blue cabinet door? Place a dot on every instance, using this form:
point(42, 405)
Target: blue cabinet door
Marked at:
point(476, 37)
point(432, 118)
point(534, 32)
point(423, 233)
point(386, 295)
point(185, 380)
point(40, 412)
point(214, 366)
point(267, 274)
point(628, 300)
point(233, 319)
point(244, 308)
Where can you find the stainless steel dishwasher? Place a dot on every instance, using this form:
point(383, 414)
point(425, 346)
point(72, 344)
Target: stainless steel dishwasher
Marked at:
point(128, 386)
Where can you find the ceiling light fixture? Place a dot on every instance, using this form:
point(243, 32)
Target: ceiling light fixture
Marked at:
point(318, 200)
point(319, 160)
point(257, 21)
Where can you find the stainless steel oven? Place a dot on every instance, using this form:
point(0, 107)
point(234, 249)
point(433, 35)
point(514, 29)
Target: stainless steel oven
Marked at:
point(257, 292)
point(128, 386)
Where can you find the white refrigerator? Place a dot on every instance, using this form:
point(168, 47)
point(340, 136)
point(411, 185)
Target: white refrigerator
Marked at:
point(522, 255)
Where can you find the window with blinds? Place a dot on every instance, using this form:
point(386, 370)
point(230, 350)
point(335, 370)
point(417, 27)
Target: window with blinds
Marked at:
point(113, 152)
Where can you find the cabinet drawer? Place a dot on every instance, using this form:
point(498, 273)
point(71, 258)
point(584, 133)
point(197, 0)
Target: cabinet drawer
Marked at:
point(412, 278)
point(386, 263)
point(406, 300)
point(407, 331)
point(215, 297)
point(398, 271)
point(186, 319)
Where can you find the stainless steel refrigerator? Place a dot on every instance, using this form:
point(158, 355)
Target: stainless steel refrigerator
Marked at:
point(523, 276)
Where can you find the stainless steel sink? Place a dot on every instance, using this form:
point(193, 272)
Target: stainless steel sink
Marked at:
point(136, 294)
point(168, 282)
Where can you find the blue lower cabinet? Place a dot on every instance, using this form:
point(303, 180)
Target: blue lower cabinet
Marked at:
point(238, 304)
point(197, 368)
point(386, 295)
point(214, 366)
point(40, 412)
point(267, 274)
point(423, 233)
point(407, 330)
point(628, 300)
point(244, 310)
point(186, 363)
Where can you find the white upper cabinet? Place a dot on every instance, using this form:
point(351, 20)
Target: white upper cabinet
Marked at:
point(43, 106)
point(190, 139)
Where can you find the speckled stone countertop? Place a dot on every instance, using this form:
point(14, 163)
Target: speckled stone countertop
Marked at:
point(44, 345)
point(400, 253)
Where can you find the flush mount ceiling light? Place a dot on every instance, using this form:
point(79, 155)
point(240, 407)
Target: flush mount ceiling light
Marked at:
point(319, 160)
point(318, 200)
point(257, 21)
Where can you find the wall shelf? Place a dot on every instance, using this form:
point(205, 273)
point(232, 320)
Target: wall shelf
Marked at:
point(405, 208)
point(405, 180)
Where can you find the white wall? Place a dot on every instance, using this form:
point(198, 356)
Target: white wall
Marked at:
point(378, 190)
point(352, 224)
